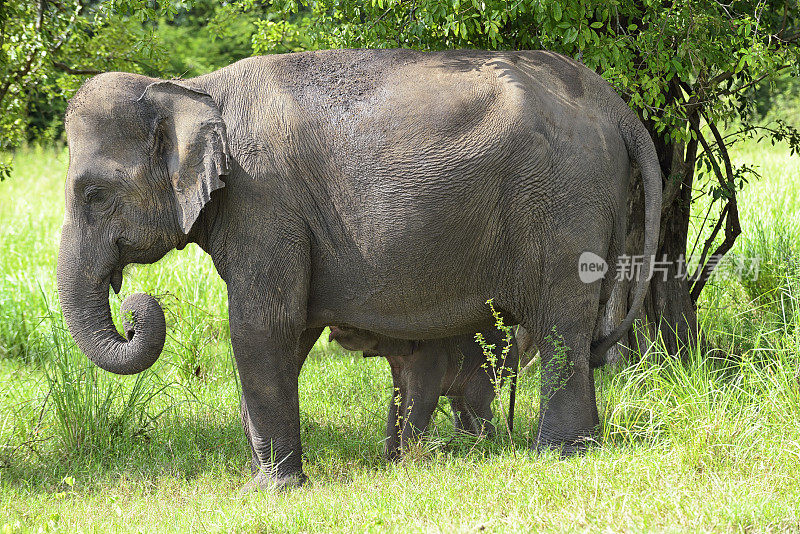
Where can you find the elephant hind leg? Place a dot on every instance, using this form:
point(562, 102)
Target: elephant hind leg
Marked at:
point(561, 327)
point(568, 408)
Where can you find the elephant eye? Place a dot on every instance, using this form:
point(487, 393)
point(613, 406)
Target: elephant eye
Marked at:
point(92, 193)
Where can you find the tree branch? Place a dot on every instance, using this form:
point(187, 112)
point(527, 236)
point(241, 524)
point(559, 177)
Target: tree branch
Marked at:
point(672, 187)
point(719, 78)
point(376, 21)
point(701, 264)
point(78, 72)
point(753, 82)
point(67, 31)
point(789, 40)
point(713, 234)
point(783, 22)
point(40, 15)
point(723, 150)
point(730, 213)
point(732, 231)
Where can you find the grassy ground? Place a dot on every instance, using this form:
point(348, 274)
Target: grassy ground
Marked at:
point(714, 445)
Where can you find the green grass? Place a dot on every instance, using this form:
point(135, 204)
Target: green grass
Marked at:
point(713, 445)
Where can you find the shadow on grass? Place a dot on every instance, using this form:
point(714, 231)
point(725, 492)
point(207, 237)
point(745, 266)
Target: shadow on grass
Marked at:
point(183, 448)
point(200, 446)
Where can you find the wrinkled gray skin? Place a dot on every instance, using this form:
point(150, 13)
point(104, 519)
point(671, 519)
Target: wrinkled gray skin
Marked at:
point(390, 191)
point(422, 371)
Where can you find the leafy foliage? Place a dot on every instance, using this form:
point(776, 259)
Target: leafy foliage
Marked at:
point(711, 50)
point(209, 36)
point(48, 48)
point(779, 99)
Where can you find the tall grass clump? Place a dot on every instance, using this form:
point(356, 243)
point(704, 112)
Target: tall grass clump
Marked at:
point(710, 410)
point(774, 245)
point(746, 309)
point(95, 412)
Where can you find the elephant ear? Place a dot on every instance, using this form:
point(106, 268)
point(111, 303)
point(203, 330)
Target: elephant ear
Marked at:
point(190, 135)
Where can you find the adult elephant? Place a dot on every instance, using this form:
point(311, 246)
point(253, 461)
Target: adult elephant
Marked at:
point(390, 191)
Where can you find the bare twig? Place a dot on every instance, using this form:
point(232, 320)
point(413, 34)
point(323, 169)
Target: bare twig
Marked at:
point(406, 22)
point(732, 231)
point(41, 412)
point(789, 40)
point(722, 148)
point(783, 22)
point(702, 225)
point(710, 240)
point(67, 31)
point(380, 18)
point(754, 82)
point(34, 433)
point(730, 212)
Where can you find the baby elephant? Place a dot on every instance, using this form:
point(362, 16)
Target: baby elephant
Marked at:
point(424, 370)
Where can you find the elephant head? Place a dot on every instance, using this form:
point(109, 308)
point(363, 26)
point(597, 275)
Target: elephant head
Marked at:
point(144, 157)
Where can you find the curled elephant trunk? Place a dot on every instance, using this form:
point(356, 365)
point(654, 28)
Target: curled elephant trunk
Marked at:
point(83, 291)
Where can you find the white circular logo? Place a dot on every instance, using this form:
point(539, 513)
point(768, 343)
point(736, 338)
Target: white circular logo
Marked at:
point(591, 267)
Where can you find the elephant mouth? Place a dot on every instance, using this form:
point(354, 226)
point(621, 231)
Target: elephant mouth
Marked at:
point(116, 280)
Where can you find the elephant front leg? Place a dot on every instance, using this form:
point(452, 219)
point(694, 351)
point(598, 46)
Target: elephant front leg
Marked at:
point(268, 369)
point(267, 309)
point(307, 340)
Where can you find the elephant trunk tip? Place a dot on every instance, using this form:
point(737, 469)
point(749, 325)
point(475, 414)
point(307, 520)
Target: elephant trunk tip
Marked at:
point(145, 329)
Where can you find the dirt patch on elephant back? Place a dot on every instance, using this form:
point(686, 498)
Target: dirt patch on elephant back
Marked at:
point(341, 78)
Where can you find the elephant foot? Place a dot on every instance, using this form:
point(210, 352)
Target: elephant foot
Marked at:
point(565, 449)
point(264, 482)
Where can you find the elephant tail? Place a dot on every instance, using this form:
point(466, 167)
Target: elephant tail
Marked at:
point(642, 151)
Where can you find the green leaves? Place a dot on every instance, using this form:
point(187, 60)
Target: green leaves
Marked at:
point(556, 11)
point(48, 48)
point(659, 57)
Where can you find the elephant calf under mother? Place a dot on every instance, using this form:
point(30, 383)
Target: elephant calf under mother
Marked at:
point(390, 191)
point(422, 371)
